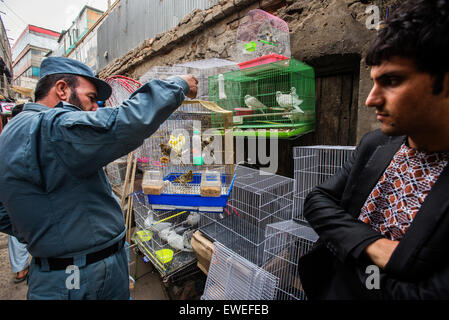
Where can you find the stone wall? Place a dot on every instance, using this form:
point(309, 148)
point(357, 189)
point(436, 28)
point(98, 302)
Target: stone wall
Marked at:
point(318, 28)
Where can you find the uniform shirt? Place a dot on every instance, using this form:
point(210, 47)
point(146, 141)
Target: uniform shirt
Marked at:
point(394, 202)
point(52, 182)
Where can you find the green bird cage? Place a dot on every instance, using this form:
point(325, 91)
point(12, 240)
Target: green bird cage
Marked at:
point(278, 95)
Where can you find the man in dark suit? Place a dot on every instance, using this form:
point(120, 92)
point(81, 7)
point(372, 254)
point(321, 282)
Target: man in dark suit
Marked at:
point(383, 220)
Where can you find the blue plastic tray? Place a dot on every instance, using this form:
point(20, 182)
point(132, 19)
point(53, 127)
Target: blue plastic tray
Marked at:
point(189, 201)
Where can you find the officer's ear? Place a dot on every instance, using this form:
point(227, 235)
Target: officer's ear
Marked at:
point(62, 90)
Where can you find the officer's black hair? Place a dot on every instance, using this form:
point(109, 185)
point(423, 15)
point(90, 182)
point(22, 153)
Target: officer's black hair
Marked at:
point(46, 83)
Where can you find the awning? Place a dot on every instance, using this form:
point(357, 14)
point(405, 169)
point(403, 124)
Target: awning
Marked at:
point(24, 91)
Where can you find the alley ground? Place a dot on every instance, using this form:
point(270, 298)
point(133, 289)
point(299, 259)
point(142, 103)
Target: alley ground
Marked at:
point(148, 287)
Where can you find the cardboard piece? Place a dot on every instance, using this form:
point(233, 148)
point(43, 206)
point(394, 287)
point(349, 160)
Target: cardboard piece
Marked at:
point(203, 249)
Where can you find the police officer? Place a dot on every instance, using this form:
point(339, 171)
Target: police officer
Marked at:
point(52, 184)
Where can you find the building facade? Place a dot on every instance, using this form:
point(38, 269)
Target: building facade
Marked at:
point(27, 54)
point(79, 42)
point(133, 21)
point(6, 93)
point(5, 64)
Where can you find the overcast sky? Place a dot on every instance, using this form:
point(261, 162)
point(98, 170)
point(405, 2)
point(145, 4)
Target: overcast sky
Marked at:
point(55, 15)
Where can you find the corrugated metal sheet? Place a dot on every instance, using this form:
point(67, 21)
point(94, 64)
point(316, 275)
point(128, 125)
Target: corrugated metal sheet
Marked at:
point(133, 21)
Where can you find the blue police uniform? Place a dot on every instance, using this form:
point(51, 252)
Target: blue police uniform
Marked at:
point(59, 200)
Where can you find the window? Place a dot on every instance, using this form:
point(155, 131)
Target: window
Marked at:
point(36, 71)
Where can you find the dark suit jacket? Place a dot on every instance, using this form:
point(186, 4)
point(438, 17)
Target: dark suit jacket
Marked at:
point(336, 267)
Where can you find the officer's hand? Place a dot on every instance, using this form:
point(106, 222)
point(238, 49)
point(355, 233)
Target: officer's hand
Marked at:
point(193, 85)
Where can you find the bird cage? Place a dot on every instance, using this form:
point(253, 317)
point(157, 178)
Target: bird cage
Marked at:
point(162, 73)
point(122, 88)
point(256, 200)
point(189, 159)
point(278, 95)
point(312, 166)
point(164, 236)
point(203, 69)
point(232, 277)
point(287, 241)
point(116, 172)
point(261, 33)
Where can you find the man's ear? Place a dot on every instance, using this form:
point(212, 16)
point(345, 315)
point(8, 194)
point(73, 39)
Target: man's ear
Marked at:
point(62, 90)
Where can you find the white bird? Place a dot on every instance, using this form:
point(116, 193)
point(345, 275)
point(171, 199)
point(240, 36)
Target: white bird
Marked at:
point(187, 236)
point(149, 220)
point(193, 218)
point(157, 227)
point(289, 101)
point(176, 241)
point(164, 234)
point(252, 103)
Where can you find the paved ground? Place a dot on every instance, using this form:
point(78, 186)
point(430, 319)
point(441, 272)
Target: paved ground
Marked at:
point(148, 287)
point(8, 289)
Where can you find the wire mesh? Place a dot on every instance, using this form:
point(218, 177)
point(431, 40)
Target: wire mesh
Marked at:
point(261, 33)
point(286, 242)
point(164, 236)
point(256, 200)
point(191, 144)
point(312, 166)
point(203, 69)
point(232, 277)
point(162, 72)
point(275, 95)
point(122, 88)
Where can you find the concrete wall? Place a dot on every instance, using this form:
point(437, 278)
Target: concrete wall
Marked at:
point(318, 29)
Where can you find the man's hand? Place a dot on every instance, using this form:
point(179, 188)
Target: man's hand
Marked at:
point(380, 251)
point(193, 85)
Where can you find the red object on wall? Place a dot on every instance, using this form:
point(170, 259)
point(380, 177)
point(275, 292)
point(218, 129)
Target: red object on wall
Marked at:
point(269, 58)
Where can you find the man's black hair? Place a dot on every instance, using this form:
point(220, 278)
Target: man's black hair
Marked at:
point(46, 83)
point(419, 30)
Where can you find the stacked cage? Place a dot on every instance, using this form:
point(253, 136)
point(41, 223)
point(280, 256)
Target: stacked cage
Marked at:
point(278, 95)
point(203, 69)
point(312, 166)
point(286, 243)
point(231, 277)
point(256, 200)
point(164, 236)
point(122, 88)
point(260, 34)
point(116, 172)
point(188, 161)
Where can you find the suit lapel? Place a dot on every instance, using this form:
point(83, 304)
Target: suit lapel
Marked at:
point(371, 173)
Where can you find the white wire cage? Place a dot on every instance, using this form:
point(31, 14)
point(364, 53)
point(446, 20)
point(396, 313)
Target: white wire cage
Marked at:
point(256, 200)
point(312, 166)
point(286, 242)
point(116, 173)
point(232, 277)
point(164, 236)
point(203, 69)
point(193, 145)
point(162, 73)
